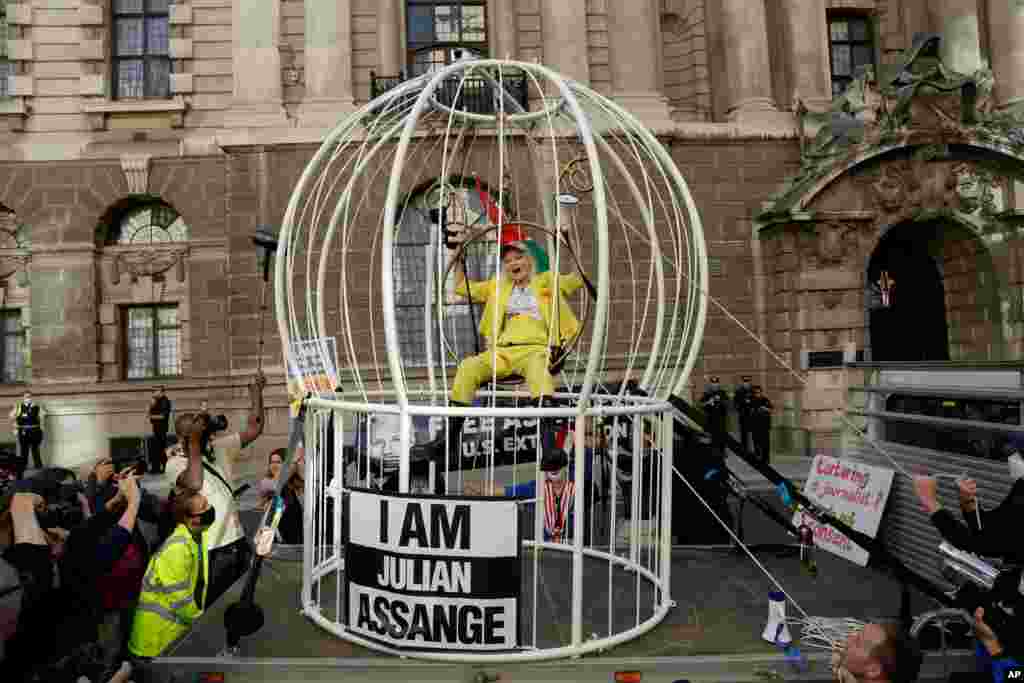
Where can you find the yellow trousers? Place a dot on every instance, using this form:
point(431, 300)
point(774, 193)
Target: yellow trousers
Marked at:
point(530, 362)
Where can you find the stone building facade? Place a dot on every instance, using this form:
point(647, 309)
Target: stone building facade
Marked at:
point(143, 141)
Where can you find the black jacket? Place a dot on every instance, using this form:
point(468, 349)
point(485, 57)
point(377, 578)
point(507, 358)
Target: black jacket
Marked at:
point(160, 411)
point(760, 411)
point(1000, 528)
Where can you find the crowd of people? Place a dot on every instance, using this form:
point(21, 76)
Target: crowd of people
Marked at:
point(99, 581)
point(99, 576)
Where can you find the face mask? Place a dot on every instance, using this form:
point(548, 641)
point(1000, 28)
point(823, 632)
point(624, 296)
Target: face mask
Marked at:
point(1016, 463)
point(552, 476)
point(48, 518)
point(207, 517)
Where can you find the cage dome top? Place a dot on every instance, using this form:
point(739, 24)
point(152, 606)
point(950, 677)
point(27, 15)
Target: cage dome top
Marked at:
point(410, 196)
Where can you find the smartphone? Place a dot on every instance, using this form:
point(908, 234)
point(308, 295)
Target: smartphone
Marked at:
point(127, 467)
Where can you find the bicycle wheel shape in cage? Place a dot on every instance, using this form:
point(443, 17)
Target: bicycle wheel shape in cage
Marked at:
point(502, 274)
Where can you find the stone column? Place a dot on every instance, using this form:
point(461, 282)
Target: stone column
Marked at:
point(389, 38)
point(635, 33)
point(806, 40)
point(747, 62)
point(957, 21)
point(503, 29)
point(328, 62)
point(564, 27)
point(1006, 28)
point(256, 30)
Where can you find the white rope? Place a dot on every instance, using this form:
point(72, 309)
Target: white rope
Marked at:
point(741, 543)
point(825, 633)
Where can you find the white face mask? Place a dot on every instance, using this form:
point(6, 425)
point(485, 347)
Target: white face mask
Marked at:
point(1016, 463)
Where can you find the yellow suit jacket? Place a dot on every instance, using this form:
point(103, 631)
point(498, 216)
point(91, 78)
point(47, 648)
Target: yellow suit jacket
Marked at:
point(541, 286)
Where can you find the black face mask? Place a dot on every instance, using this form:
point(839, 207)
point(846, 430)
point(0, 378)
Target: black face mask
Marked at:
point(48, 518)
point(207, 516)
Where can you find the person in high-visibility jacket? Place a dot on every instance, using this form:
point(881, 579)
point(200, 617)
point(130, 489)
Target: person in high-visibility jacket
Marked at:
point(527, 308)
point(174, 587)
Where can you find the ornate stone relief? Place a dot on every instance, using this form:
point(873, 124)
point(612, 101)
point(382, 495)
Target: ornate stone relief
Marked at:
point(149, 263)
point(901, 190)
point(829, 244)
point(15, 254)
point(915, 102)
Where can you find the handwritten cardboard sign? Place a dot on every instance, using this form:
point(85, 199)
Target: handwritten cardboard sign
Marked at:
point(855, 494)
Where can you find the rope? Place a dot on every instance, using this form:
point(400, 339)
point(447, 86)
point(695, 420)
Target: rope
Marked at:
point(825, 633)
point(741, 543)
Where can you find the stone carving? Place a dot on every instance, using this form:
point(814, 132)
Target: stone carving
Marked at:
point(148, 263)
point(978, 190)
point(14, 249)
point(136, 172)
point(915, 101)
point(828, 244)
point(909, 186)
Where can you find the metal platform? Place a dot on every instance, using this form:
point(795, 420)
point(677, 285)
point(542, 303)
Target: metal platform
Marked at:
point(713, 634)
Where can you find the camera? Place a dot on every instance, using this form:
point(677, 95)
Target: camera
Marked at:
point(215, 423)
point(59, 488)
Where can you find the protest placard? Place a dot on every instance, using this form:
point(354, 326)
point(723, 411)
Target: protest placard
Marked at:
point(433, 573)
point(854, 493)
point(313, 363)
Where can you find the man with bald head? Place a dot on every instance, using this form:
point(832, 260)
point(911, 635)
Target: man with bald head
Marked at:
point(878, 653)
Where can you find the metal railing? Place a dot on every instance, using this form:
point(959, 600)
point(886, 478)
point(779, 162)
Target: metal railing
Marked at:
point(474, 95)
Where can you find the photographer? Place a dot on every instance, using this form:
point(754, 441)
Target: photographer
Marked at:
point(208, 469)
point(119, 588)
point(57, 630)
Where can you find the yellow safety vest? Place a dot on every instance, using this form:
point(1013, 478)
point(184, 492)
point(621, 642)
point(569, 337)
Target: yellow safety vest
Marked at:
point(167, 606)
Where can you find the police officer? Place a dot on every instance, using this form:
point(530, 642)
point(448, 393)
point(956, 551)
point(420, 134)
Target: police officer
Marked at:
point(28, 418)
point(715, 403)
point(760, 423)
point(741, 399)
point(160, 419)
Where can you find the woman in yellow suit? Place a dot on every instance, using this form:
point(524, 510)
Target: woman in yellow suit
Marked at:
point(520, 307)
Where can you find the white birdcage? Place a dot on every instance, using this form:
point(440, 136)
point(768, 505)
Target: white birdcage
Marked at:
point(365, 269)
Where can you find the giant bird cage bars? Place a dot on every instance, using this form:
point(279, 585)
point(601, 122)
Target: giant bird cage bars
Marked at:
point(415, 193)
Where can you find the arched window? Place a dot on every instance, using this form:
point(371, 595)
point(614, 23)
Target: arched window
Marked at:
point(146, 239)
point(415, 274)
point(150, 223)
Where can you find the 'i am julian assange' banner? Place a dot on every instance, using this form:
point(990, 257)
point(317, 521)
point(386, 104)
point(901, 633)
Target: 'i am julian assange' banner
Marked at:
point(433, 573)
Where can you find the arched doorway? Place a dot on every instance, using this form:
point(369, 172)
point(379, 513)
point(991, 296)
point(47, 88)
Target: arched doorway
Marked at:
point(907, 303)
